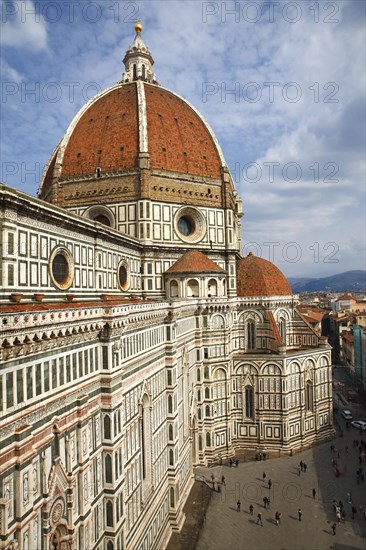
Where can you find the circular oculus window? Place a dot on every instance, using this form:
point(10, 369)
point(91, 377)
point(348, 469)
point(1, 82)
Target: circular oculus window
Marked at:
point(123, 276)
point(61, 268)
point(100, 214)
point(190, 224)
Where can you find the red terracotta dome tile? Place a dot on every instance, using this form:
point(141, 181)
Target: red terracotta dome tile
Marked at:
point(259, 277)
point(106, 135)
point(178, 139)
point(194, 262)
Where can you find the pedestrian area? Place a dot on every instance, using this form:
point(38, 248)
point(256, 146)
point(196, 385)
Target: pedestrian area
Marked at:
point(224, 528)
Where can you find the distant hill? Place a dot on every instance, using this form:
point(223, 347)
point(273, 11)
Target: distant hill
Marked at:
point(349, 280)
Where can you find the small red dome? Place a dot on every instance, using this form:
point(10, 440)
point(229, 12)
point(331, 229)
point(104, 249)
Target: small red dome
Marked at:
point(258, 277)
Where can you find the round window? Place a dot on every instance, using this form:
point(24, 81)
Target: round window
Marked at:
point(190, 224)
point(186, 226)
point(102, 219)
point(61, 268)
point(123, 276)
point(100, 214)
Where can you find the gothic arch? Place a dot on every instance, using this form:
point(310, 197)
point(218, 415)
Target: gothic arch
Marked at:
point(323, 361)
point(271, 369)
point(281, 312)
point(247, 368)
point(218, 321)
point(294, 368)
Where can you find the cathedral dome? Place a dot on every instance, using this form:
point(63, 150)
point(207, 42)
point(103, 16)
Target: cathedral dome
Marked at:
point(137, 141)
point(133, 125)
point(259, 277)
point(114, 128)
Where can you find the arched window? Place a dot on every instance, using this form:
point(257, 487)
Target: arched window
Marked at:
point(134, 71)
point(199, 413)
point(207, 393)
point(249, 402)
point(115, 424)
point(282, 328)
point(143, 72)
point(208, 439)
point(200, 442)
point(207, 411)
point(198, 375)
point(198, 395)
point(192, 289)
point(108, 468)
point(309, 397)
point(109, 513)
point(250, 335)
point(170, 432)
point(171, 458)
point(174, 289)
point(212, 288)
point(206, 372)
point(172, 498)
point(170, 404)
point(107, 427)
point(110, 545)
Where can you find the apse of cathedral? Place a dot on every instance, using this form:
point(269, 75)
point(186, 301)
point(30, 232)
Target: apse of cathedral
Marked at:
point(137, 342)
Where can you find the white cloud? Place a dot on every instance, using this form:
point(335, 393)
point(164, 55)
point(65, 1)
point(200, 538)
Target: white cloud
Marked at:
point(8, 73)
point(22, 26)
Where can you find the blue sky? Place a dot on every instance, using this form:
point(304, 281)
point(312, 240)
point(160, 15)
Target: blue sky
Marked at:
point(281, 83)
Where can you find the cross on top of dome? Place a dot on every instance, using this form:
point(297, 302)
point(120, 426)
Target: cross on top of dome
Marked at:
point(138, 60)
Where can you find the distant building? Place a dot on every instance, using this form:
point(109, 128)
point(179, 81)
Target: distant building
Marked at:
point(347, 351)
point(347, 302)
point(359, 335)
point(338, 324)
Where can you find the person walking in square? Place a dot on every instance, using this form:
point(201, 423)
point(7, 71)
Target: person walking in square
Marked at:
point(269, 484)
point(299, 514)
point(314, 493)
point(259, 519)
point(277, 518)
point(238, 504)
point(251, 509)
point(264, 476)
point(223, 480)
point(334, 527)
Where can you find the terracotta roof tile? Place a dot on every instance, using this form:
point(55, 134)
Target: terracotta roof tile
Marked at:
point(259, 277)
point(107, 135)
point(194, 261)
point(275, 330)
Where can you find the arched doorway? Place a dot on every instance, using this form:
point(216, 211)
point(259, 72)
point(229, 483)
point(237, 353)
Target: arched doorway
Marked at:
point(57, 540)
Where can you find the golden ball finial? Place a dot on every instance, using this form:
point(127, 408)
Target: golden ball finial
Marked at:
point(138, 26)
